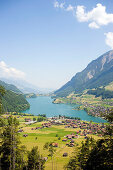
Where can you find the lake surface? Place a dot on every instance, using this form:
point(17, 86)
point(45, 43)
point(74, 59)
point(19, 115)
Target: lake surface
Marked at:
point(44, 105)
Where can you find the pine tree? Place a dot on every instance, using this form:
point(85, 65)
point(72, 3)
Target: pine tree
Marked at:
point(10, 150)
point(50, 148)
point(35, 160)
point(2, 92)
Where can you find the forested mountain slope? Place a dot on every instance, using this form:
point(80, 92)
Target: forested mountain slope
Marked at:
point(13, 102)
point(10, 87)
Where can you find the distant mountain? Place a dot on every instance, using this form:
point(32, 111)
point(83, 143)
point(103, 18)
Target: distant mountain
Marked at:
point(10, 87)
point(27, 87)
point(22, 85)
point(98, 73)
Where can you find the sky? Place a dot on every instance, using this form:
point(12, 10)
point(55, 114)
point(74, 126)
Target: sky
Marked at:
point(46, 42)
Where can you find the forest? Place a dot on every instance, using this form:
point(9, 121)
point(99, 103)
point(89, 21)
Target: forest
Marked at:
point(101, 92)
point(13, 102)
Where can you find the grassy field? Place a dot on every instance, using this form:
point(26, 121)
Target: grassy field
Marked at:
point(41, 136)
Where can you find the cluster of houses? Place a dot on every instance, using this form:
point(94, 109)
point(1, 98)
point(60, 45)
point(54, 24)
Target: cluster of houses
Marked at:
point(86, 127)
point(71, 138)
point(97, 110)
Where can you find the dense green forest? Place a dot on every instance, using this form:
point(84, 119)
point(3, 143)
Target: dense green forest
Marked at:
point(13, 102)
point(101, 92)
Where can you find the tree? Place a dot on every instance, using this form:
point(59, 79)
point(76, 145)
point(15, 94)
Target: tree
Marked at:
point(94, 155)
point(34, 119)
point(50, 148)
point(101, 156)
point(11, 153)
point(109, 116)
point(2, 92)
point(78, 161)
point(35, 160)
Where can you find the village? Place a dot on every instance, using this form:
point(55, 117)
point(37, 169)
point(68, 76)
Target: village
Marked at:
point(85, 128)
point(65, 134)
point(95, 106)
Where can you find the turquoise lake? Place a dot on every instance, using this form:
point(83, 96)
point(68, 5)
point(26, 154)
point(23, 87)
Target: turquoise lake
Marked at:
point(44, 105)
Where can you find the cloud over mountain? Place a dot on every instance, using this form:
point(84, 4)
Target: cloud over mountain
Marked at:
point(6, 71)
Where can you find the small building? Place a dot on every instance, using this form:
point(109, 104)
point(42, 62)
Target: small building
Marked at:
point(25, 135)
point(64, 140)
point(45, 158)
point(55, 144)
point(69, 136)
point(65, 154)
point(27, 120)
point(20, 130)
point(72, 141)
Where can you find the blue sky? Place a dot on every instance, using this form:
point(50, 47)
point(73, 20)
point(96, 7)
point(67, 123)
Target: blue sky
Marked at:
point(46, 42)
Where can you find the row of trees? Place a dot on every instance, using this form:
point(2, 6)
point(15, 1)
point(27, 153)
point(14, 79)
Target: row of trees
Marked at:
point(101, 92)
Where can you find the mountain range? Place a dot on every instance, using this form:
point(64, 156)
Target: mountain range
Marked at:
point(26, 87)
point(98, 73)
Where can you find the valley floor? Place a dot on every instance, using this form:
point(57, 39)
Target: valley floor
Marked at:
point(37, 134)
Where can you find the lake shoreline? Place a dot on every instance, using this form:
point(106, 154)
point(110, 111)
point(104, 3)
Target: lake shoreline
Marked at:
point(44, 105)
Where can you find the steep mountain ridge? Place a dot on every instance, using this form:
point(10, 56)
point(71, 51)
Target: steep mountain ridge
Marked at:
point(98, 73)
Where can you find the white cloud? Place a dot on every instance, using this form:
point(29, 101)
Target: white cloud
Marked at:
point(97, 16)
point(70, 8)
point(109, 39)
point(93, 25)
point(59, 5)
point(62, 6)
point(6, 71)
point(56, 4)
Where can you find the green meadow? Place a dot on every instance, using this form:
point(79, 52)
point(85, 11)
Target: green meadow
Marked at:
point(39, 137)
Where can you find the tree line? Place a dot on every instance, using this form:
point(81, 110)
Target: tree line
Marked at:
point(101, 92)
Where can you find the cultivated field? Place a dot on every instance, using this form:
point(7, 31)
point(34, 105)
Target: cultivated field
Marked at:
point(38, 137)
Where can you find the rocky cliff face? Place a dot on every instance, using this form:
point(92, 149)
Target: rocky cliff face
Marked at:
point(98, 73)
